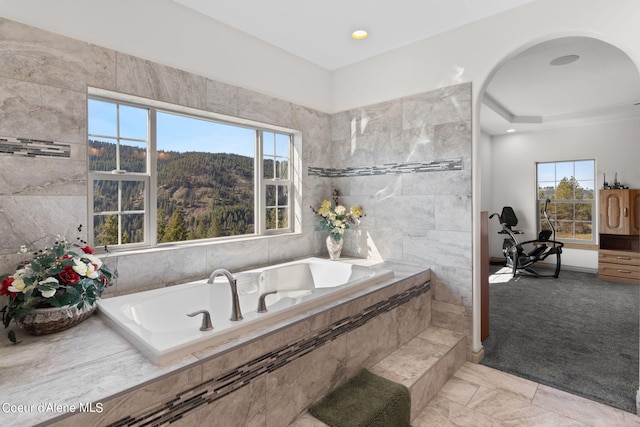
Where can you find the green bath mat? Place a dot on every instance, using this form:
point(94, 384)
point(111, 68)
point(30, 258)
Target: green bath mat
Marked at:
point(366, 400)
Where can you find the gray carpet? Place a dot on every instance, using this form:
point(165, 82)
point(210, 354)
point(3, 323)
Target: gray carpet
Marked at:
point(575, 333)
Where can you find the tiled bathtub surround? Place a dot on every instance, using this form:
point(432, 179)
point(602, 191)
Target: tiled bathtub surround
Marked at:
point(228, 382)
point(103, 368)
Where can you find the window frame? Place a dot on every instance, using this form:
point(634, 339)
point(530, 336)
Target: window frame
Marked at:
point(540, 203)
point(150, 177)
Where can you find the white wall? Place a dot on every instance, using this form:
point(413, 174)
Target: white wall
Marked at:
point(614, 145)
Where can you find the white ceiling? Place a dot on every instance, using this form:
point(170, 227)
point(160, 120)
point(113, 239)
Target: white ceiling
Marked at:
point(529, 94)
point(526, 93)
point(320, 31)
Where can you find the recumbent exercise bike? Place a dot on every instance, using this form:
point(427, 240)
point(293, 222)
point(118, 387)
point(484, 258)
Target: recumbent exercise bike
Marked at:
point(513, 250)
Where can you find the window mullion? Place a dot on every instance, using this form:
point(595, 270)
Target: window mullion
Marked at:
point(260, 197)
point(151, 195)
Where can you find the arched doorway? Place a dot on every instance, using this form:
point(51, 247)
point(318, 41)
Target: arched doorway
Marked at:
point(587, 81)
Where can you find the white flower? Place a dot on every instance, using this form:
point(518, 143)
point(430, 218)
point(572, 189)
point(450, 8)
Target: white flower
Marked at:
point(48, 280)
point(48, 293)
point(97, 262)
point(80, 267)
point(48, 286)
point(92, 272)
point(19, 274)
point(341, 210)
point(17, 285)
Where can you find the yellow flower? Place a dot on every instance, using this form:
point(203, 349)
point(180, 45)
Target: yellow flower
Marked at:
point(325, 204)
point(356, 211)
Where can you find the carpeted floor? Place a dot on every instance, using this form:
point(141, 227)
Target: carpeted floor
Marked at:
point(575, 333)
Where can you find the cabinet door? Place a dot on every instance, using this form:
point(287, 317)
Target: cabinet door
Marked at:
point(634, 212)
point(614, 211)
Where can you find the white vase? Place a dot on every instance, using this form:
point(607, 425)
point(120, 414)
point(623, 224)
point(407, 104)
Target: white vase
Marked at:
point(334, 247)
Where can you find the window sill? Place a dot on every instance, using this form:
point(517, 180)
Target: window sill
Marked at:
point(115, 252)
point(583, 246)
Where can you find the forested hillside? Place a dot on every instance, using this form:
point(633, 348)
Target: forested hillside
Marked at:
point(199, 194)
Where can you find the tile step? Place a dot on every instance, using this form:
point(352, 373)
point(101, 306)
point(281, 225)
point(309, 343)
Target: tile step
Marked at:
point(423, 365)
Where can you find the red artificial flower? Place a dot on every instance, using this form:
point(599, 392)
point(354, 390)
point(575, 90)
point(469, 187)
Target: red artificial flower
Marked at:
point(67, 275)
point(87, 250)
point(6, 282)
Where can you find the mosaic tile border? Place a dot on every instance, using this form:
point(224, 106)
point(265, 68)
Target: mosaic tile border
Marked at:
point(33, 147)
point(211, 390)
point(389, 169)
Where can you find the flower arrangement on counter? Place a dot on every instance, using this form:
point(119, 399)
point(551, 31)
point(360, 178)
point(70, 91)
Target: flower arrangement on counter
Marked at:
point(336, 219)
point(64, 274)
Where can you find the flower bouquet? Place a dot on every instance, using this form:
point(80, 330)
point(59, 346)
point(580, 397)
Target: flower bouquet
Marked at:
point(65, 274)
point(336, 219)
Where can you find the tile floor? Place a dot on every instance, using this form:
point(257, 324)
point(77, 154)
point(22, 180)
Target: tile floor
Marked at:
point(480, 396)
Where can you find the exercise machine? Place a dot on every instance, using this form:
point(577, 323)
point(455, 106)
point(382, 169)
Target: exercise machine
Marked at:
point(513, 250)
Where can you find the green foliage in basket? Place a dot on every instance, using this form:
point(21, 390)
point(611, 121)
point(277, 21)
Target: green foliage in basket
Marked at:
point(64, 274)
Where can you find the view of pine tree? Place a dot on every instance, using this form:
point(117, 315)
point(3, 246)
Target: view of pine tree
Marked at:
point(175, 231)
point(108, 232)
point(199, 194)
point(571, 220)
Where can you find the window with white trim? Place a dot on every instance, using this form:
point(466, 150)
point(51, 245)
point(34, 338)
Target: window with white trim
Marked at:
point(164, 174)
point(570, 187)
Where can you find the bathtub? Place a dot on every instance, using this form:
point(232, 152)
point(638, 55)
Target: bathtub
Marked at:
point(156, 321)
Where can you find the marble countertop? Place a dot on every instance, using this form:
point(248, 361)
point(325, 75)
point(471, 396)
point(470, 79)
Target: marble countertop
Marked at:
point(44, 375)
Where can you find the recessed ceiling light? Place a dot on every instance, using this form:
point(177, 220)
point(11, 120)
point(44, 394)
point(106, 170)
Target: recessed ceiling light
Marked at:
point(564, 60)
point(510, 130)
point(359, 34)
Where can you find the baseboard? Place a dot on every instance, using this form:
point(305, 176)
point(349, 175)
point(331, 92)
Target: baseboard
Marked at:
point(477, 356)
point(552, 266)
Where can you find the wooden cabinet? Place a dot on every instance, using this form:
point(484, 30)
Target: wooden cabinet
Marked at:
point(620, 212)
point(619, 254)
point(619, 266)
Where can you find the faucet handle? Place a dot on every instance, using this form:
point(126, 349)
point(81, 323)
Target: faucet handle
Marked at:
point(262, 304)
point(206, 319)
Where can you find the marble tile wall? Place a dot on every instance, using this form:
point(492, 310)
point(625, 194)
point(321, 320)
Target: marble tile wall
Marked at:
point(422, 217)
point(43, 96)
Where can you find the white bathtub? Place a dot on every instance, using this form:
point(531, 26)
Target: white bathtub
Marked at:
point(156, 321)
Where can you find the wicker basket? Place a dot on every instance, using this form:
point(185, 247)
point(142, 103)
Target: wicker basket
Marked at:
point(42, 321)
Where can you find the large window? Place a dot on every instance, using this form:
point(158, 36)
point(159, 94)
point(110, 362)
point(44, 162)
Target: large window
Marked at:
point(161, 175)
point(570, 186)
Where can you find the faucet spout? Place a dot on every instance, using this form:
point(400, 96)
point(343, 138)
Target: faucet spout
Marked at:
point(236, 313)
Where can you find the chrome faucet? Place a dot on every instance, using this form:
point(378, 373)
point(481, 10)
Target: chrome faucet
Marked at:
point(236, 313)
